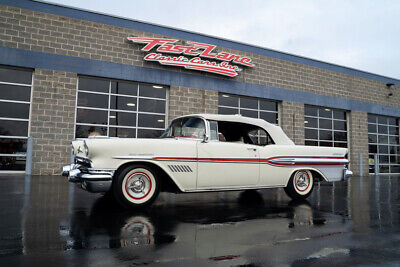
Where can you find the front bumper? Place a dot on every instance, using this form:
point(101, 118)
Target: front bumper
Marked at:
point(91, 180)
point(347, 174)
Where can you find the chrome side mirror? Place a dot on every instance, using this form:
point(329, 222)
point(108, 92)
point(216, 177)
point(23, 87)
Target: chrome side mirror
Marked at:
point(205, 138)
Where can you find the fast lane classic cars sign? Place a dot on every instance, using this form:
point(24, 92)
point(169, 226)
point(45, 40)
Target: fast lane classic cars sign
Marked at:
point(193, 56)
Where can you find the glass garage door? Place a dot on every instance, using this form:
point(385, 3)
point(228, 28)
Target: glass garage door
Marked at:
point(15, 99)
point(383, 140)
point(249, 107)
point(325, 127)
point(120, 108)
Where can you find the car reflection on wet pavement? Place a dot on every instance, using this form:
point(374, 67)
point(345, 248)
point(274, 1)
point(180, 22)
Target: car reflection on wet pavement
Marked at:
point(45, 221)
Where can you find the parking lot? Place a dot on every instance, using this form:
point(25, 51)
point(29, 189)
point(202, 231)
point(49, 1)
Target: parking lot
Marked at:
point(45, 221)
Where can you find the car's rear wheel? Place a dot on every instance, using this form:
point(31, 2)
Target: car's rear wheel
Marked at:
point(300, 185)
point(136, 186)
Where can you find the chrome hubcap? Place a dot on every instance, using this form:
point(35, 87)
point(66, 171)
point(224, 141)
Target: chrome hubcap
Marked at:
point(138, 185)
point(302, 181)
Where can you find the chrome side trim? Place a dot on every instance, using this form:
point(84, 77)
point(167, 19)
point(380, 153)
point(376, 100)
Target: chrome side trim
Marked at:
point(296, 161)
point(231, 189)
point(133, 157)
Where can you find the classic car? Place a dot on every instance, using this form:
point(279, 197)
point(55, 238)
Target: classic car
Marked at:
point(203, 152)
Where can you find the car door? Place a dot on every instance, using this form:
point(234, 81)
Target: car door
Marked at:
point(227, 165)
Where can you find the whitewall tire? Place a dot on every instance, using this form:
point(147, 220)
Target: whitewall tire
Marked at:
point(136, 186)
point(300, 185)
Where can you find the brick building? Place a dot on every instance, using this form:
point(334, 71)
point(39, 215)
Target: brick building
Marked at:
point(67, 73)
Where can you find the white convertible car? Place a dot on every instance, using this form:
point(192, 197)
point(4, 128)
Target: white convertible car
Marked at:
point(203, 152)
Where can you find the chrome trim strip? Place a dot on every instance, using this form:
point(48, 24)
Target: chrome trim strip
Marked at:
point(133, 157)
point(231, 189)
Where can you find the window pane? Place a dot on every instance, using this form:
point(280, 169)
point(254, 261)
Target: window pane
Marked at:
point(383, 159)
point(383, 129)
point(372, 138)
point(84, 131)
point(123, 103)
point(228, 100)
point(339, 125)
point(372, 118)
point(325, 124)
point(311, 122)
point(122, 118)
point(268, 105)
point(269, 117)
point(227, 111)
point(395, 169)
point(93, 84)
point(340, 144)
point(12, 146)
point(14, 92)
point(124, 88)
point(383, 139)
point(12, 163)
point(152, 105)
point(14, 110)
point(325, 112)
point(382, 120)
point(392, 121)
point(13, 128)
point(393, 140)
point(372, 128)
point(311, 143)
point(92, 100)
point(12, 75)
point(311, 111)
point(384, 168)
point(151, 121)
point(213, 130)
point(156, 91)
point(383, 149)
point(91, 116)
point(373, 149)
point(338, 114)
point(311, 134)
point(146, 133)
point(325, 143)
point(249, 113)
point(325, 135)
point(394, 130)
point(340, 136)
point(122, 132)
point(246, 102)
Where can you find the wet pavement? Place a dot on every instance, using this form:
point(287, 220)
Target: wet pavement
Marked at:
point(44, 221)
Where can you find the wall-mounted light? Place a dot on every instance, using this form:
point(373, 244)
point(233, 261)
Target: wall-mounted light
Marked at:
point(131, 104)
point(157, 86)
point(389, 87)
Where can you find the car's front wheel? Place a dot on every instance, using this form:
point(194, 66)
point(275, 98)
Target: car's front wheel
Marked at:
point(300, 185)
point(136, 186)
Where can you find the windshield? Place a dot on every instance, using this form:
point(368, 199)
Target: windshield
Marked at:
point(191, 127)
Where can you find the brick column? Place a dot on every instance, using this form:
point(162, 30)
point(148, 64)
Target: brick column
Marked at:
point(292, 120)
point(358, 142)
point(184, 100)
point(52, 120)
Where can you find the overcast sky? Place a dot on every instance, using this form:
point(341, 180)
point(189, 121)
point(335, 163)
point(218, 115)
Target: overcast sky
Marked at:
point(360, 34)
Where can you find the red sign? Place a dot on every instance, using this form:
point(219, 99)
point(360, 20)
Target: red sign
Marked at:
point(196, 52)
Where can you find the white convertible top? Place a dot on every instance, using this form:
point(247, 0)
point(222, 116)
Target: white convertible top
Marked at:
point(276, 132)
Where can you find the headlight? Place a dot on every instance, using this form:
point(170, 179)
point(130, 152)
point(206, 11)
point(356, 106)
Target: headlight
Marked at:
point(85, 149)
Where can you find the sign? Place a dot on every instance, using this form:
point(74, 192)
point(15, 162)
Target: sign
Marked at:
point(193, 56)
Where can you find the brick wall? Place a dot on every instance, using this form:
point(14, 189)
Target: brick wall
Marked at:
point(31, 30)
point(52, 120)
point(358, 141)
point(291, 116)
point(184, 101)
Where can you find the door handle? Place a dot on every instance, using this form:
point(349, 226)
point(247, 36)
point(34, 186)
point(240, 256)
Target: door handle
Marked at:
point(252, 149)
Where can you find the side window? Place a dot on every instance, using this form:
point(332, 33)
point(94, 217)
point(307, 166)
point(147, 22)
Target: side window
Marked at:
point(213, 130)
point(260, 137)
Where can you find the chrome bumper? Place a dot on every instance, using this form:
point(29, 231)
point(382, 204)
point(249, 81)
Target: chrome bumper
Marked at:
point(91, 180)
point(347, 174)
